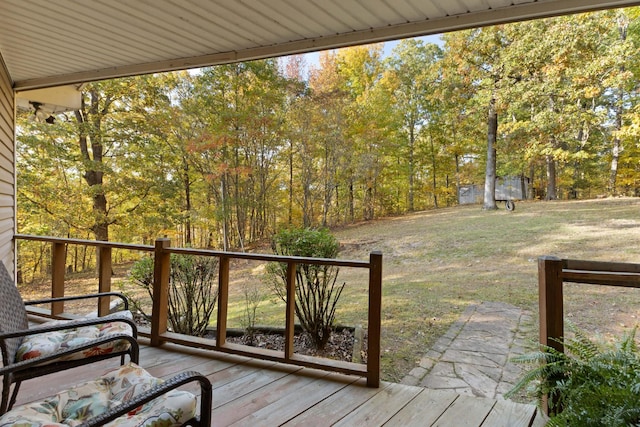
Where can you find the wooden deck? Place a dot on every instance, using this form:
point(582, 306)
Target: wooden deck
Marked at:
point(248, 392)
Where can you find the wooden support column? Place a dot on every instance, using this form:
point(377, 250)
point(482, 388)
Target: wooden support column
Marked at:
point(375, 322)
point(291, 310)
point(551, 303)
point(161, 270)
point(223, 300)
point(104, 279)
point(550, 307)
point(58, 264)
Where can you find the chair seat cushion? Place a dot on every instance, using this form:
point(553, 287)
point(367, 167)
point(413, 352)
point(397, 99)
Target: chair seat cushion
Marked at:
point(85, 401)
point(52, 342)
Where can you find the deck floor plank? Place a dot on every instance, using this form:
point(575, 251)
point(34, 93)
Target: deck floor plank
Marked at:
point(249, 392)
point(424, 410)
point(466, 411)
point(381, 407)
point(249, 383)
point(337, 406)
point(506, 413)
point(282, 410)
point(286, 388)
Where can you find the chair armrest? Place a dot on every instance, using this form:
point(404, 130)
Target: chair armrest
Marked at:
point(70, 325)
point(80, 297)
point(24, 364)
point(186, 377)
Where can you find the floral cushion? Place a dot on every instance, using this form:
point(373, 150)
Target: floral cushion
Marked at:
point(85, 401)
point(52, 342)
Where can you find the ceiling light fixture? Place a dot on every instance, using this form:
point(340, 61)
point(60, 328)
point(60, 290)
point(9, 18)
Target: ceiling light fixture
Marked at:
point(39, 115)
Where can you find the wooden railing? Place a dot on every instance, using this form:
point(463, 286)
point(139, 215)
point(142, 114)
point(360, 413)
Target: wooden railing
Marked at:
point(553, 272)
point(159, 334)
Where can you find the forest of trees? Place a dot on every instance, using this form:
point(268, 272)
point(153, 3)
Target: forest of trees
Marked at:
point(222, 157)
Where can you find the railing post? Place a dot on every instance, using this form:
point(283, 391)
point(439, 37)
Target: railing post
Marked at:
point(161, 270)
point(223, 300)
point(58, 264)
point(550, 306)
point(375, 314)
point(291, 311)
point(551, 303)
point(104, 279)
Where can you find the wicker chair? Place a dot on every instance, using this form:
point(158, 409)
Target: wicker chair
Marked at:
point(125, 397)
point(57, 345)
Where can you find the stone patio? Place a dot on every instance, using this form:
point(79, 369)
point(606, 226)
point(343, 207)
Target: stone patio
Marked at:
point(472, 358)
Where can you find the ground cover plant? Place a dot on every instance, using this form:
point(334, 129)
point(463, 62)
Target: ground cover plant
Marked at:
point(438, 262)
point(589, 384)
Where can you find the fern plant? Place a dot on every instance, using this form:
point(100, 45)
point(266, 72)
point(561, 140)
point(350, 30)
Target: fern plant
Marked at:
point(591, 384)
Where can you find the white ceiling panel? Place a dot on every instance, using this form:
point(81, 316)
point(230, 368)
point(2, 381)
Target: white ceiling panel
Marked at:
point(49, 43)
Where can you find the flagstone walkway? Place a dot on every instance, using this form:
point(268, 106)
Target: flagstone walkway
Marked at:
point(473, 356)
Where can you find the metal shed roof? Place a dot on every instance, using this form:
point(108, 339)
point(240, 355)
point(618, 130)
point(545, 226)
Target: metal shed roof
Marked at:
point(49, 43)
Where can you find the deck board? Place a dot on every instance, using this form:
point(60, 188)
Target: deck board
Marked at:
point(381, 407)
point(466, 411)
point(333, 409)
point(249, 392)
point(425, 409)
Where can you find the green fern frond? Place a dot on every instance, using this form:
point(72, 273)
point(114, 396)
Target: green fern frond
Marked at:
point(593, 384)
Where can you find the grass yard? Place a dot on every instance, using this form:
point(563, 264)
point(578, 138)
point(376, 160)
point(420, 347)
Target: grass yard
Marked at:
point(436, 263)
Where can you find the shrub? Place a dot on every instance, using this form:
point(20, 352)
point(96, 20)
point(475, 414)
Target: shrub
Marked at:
point(592, 384)
point(316, 291)
point(193, 291)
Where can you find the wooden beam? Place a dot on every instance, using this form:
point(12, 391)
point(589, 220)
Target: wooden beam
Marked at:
point(104, 279)
point(290, 315)
point(223, 300)
point(161, 270)
point(551, 302)
point(375, 319)
point(58, 264)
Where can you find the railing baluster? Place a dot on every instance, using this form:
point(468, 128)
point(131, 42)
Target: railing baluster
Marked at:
point(58, 261)
point(104, 279)
point(161, 270)
point(375, 314)
point(223, 300)
point(291, 311)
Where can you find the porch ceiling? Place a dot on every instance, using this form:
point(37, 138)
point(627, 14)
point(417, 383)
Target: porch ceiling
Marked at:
point(49, 43)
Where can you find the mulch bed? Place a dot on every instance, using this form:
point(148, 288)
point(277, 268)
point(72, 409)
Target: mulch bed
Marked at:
point(340, 345)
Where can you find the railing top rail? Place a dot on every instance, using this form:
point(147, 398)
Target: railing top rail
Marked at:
point(203, 252)
point(272, 258)
point(596, 272)
point(116, 245)
point(600, 266)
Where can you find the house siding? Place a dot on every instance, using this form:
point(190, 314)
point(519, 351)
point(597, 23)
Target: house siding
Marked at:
point(7, 169)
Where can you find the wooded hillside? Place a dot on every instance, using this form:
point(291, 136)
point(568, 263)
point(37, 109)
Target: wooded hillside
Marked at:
point(224, 156)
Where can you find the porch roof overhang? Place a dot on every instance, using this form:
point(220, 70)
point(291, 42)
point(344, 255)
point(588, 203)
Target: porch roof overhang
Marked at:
point(45, 44)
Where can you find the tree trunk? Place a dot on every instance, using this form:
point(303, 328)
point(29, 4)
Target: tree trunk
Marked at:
point(89, 125)
point(290, 221)
point(532, 172)
point(551, 179)
point(623, 24)
point(434, 178)
point(411, 168)
point(187, 197)
point(490, 171)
